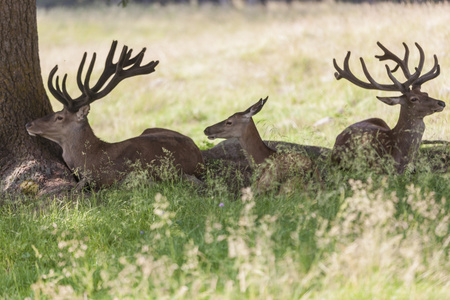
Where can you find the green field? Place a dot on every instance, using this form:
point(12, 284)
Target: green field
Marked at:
point(361, 235)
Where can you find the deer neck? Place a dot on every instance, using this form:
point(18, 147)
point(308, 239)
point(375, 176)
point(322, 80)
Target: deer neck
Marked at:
point(80, 146)
point(407, 136)
point(255, 149)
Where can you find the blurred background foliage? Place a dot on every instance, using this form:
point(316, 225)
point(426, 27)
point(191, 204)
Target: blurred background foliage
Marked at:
point(215, 61)
point(59, 3)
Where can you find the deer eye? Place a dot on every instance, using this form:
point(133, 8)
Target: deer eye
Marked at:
point(59, 118)
point(228, 123)
point(414, 99)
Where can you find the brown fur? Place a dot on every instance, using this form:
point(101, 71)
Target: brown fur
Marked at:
point(274, 167)
point(106, 163)
point(373, 137)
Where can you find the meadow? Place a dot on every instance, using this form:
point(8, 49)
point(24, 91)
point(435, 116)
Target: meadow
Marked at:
point(360, 235)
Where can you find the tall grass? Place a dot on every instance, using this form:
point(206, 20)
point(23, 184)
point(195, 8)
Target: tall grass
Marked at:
point(375, 239)
point(359, 235)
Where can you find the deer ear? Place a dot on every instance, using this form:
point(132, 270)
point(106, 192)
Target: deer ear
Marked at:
point(83, 112)
point(392, 100)
point(255, 108)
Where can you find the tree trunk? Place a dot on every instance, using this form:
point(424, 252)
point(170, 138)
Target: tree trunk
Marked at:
point(28, 164)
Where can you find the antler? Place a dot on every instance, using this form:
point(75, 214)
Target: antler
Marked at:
point(433, 73)
point(411, 79)
point(89, 95)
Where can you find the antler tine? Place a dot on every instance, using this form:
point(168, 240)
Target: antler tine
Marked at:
point(137, 60)
point(421, 60)
point(124, 57)
point(69, 99)
point(86, 93)
point(399, 86)
point(338, 75)
point(109, 68)
point(137, 69)
point(347, 74)
point(388, 55)
point(378, 86)
point(80, 70)
point(433, 73)
point(419, 68)
point(89, 95)
point(405, 59)
point(138, 57)
point(56, 92)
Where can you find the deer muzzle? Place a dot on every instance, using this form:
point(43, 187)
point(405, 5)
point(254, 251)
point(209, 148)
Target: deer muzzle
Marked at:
point(209, 134)
point(29, 127)
point(441, 104)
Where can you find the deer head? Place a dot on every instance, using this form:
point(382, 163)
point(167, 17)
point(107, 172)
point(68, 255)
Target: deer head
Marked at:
point(241, 126)
point(418, 104)
point(236, 125)
point(63, 124)
point(60, 125)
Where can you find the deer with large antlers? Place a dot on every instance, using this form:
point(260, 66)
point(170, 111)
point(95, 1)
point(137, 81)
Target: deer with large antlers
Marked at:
point(105, 163)
point(400, 143)
point(277, 168)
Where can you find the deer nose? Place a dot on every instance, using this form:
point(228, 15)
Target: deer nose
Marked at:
point(441, 103)
point(28, 125)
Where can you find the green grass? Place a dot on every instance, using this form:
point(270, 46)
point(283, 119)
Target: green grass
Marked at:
point(380, 238)
point(361, 235)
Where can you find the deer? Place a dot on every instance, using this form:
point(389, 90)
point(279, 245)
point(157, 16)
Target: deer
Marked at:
point(274, 167)
point(99, 162)
point(400, 144)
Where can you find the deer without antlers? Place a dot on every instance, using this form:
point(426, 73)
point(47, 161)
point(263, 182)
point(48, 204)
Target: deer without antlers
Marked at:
point(400, 143)
point(104, 162)
point(276, 167)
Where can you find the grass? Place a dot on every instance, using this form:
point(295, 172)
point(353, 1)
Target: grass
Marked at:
point(362, 235)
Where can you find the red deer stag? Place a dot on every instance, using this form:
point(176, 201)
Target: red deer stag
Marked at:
point(400, 143)
point(277, 167)
point(99, 162)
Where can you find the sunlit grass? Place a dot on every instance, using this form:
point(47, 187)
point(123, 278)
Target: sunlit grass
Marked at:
point(359, 235)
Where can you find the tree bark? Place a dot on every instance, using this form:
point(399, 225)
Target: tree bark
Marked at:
point(28, 164)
